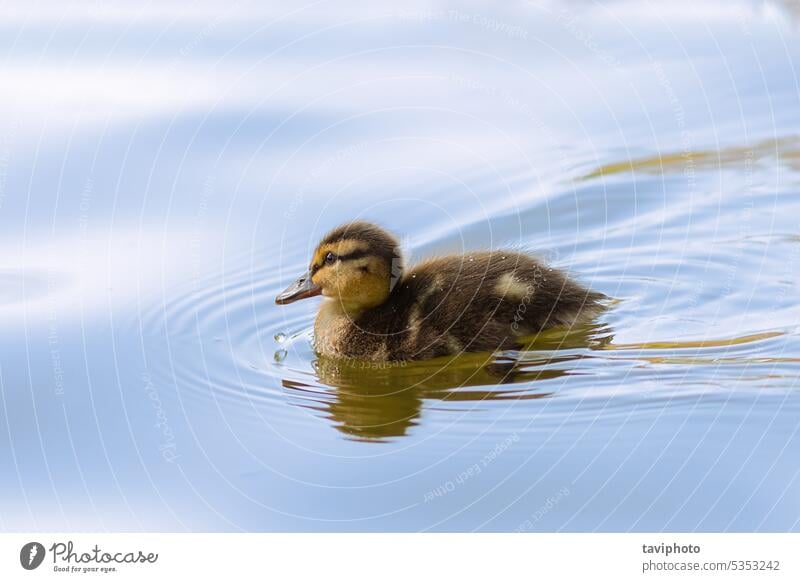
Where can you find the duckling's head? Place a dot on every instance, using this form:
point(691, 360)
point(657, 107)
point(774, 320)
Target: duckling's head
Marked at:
point(355, 264)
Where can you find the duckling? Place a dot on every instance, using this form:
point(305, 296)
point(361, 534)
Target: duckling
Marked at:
point(375, 309)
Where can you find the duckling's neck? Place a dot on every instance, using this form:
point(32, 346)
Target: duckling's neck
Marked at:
point(334, 319)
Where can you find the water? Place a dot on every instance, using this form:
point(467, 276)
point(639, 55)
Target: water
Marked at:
point(164, 174)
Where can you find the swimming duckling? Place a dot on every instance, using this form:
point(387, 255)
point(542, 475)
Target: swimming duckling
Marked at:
point(374, 309)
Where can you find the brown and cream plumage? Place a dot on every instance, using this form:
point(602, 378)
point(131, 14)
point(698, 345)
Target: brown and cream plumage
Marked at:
point(375, 309)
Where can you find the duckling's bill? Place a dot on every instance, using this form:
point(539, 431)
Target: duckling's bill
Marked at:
point(303, 288)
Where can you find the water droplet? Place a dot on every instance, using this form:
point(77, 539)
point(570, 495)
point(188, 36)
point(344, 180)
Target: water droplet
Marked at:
point(280, 337)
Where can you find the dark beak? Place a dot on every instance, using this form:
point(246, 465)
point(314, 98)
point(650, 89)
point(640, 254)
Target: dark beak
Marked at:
point(300, 289)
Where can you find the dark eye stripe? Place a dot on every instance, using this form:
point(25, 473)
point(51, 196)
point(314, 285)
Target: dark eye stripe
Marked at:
point(354, 255)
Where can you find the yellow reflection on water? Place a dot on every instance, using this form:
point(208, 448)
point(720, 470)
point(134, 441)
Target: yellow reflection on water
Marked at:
point(368, 401)
point(708, 343)
point(786, 150)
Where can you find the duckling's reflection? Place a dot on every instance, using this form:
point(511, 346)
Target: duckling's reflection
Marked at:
point(381, 401)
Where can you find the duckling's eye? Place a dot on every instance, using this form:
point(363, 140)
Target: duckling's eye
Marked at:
point(330, 258)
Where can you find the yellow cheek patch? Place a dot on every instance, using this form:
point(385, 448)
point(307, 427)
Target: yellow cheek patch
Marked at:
point(320, 278)
point(359, 282)
point(377, 266)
